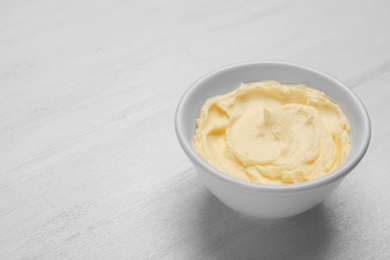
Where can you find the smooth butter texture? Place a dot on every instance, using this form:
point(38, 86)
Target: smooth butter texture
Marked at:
point(273, 133)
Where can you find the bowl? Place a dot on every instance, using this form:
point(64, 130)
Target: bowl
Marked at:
point(262, 200)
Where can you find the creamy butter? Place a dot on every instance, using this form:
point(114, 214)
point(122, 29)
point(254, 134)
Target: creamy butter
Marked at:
point(273, 133)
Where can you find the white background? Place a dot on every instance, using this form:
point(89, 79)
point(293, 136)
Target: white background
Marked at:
point(90, 167)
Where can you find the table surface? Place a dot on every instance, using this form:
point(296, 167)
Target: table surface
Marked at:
point(90, 166)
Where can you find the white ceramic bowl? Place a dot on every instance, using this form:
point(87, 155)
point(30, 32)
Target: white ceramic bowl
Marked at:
point(270, 201)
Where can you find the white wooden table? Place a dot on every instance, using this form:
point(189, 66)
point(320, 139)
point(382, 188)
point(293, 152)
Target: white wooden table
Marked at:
point(90, 167)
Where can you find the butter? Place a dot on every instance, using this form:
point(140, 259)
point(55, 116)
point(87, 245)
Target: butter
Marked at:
point(273, 133)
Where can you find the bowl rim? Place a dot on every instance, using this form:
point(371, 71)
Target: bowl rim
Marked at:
point(340, 172)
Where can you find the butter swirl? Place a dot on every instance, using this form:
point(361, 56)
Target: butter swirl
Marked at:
point(273, 133)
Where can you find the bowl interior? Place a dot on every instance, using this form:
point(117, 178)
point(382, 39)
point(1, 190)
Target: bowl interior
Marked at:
point(229, 78)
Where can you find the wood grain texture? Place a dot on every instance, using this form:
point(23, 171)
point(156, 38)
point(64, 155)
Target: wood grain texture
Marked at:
point(90, 166)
